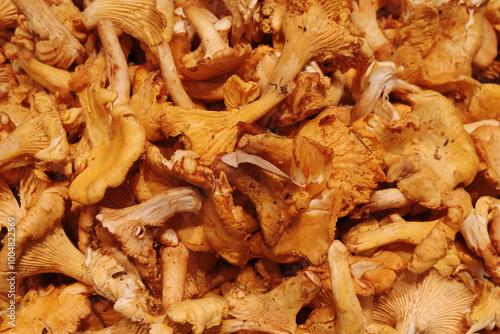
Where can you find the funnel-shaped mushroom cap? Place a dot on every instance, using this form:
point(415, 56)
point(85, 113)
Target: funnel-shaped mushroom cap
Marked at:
point(117, 140)
point(429, 304)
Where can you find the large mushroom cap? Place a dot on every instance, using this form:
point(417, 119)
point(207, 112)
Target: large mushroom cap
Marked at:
point(426, 303)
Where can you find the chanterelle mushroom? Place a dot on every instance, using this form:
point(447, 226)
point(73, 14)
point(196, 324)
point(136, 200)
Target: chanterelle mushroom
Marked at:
point(433, 160)
point(117, 140)
point(40, 135)
point(277, 308)
point(350, 318)
point(136, 226)
point(475, 232)
point(315, 29)
point(55, 45)
point(53, 309)
point(486, 312)
point(214, 57)
point(424, 304)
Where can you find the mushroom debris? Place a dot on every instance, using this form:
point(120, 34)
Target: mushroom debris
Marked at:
point(249, 166)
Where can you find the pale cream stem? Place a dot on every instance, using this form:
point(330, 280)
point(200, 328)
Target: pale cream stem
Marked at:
point(118, 74)
point(175, 266)
point(171, 76)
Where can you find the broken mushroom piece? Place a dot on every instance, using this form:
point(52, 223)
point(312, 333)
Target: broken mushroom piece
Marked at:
point(427, 303)
point(174, 266)
point(391, 229)
point(364, 19)
point(116, 141)
point(238, 93)
point(379, 80)
point(312, 93)
point(384, 199)
point(377, 273)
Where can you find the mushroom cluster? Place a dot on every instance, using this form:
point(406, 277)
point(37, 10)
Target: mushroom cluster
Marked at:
point(249, 166)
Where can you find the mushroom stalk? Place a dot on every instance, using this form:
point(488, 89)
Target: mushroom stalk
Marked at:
point(54, 79)
point(384, 199)
point(119, 78)
point(400, 231)
point(171, 77)
point(435, 245)
point(348, 309)
point(175, 266)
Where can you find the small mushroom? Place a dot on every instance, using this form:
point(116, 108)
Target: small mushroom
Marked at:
point(214, 57)
point(175, 267)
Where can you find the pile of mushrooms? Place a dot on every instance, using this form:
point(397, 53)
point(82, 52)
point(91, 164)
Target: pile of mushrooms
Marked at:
point(236, 166)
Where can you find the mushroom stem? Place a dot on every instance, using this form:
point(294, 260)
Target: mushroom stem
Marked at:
point(434, 246)
point(401, 231)
point(6, 123)
point(54, 79)
point(495, 233)
point(171, 77)
point(234, 325)
point(119, 78)
point(85, 226)
point(175, 266)
point(382, 200)
point(349, 313)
